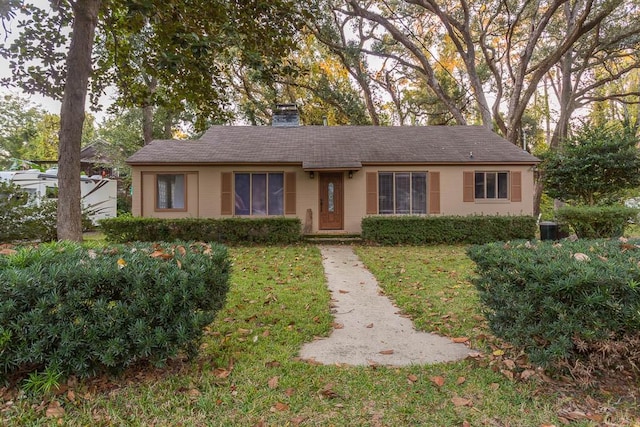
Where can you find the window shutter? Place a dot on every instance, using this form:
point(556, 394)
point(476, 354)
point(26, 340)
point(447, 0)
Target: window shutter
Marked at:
point(226, 205)
point(468, 187)
point(516, 186)
point(434, 192)
point(290, 193)
point(372, 193)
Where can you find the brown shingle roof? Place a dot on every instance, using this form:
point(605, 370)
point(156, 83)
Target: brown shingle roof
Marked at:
point(336, 147)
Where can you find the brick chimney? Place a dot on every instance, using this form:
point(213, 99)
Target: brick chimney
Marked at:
point(285, 115)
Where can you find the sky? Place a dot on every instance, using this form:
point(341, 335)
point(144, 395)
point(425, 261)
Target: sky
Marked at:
point(47, 103)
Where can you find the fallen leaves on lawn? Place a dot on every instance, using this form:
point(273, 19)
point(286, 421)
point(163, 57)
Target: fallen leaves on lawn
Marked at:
point(273, 382)
point(54, 410)
point(279, 407)
point(328, 392)
point(461, 401)
point(437, 380)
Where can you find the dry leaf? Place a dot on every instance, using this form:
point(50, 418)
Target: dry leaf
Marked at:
point(194, 393)
point(342, 291)
point(507, 373)
point(494, 386)
point(273, 382)
point(181, 250)
point(437, 380)
point(412, 378)
point(460, 340)
point(71, 396)
point(386, 352)
point(221, 373)
point(298, 420)
point(337, 325)
point(581, 257)
point(55, 410)
point(461, 401)
point(272, 364)
point(179, 264)
point(280, 407)
point(327, 391)
point(466, 423)
point(498, 352)
point(121, 263)
point(370, 325)
point(510, 364)
point(460, 380)
point(289, 392)
point(8, 251)
point(527, 373)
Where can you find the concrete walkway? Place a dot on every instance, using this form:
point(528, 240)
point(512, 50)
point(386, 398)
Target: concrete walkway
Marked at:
point(368, 329)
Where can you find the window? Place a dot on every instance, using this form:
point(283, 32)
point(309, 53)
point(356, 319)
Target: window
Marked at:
point(170, 192)
point(492, 185)
point(402, 193)
point(259, 193)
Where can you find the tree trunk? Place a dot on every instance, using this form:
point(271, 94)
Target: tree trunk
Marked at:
point(72, 118)
point(148, 111)
point(167, 131)
point(147, 123)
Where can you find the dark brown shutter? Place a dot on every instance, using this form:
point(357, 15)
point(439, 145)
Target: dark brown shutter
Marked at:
point(290, 193)
point(468, 187)
point(372, 193)
point(434, 192)
point(226, 205)
point(516, 186)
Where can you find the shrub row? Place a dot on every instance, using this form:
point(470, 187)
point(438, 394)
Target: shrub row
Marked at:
point(84, 311)
point(416, 230)
point(228, 230)
point(560, 301)
point(594, 222)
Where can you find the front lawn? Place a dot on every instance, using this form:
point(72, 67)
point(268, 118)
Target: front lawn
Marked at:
point(248, 374)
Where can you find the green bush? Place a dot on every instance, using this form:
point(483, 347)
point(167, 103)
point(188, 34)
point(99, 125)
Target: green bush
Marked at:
point(417, 230)
point(228, 230)
point(594, 222)
point(560, 301)
point(77, 310)
point(24, 218)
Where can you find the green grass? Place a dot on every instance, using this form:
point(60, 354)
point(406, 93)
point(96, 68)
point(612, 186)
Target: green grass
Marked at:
point(248, 373)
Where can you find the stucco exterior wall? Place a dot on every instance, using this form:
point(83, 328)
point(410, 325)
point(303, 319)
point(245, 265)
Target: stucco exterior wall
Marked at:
point(204, 191)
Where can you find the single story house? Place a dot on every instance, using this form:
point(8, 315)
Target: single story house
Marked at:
point(333, 176)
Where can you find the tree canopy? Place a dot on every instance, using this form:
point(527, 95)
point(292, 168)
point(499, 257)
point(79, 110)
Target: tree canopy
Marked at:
point(593, 167)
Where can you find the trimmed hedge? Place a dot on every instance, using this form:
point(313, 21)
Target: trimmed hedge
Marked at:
point(418, 230)
point(594, 222)
point(561, 301)
point(228, 230)
point(81, 311)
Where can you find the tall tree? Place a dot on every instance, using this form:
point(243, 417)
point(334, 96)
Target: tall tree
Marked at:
point(184, 37)
point(78, 69)
point(505, 48)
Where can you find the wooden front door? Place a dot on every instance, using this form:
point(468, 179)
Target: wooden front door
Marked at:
point(331, 201)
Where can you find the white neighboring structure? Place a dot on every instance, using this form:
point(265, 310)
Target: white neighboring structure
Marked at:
point(99, 195)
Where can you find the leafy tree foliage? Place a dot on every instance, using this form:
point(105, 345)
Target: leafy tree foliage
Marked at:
point(184, 47)
point(593, 167)
point(19, 121)
point(22, 217)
